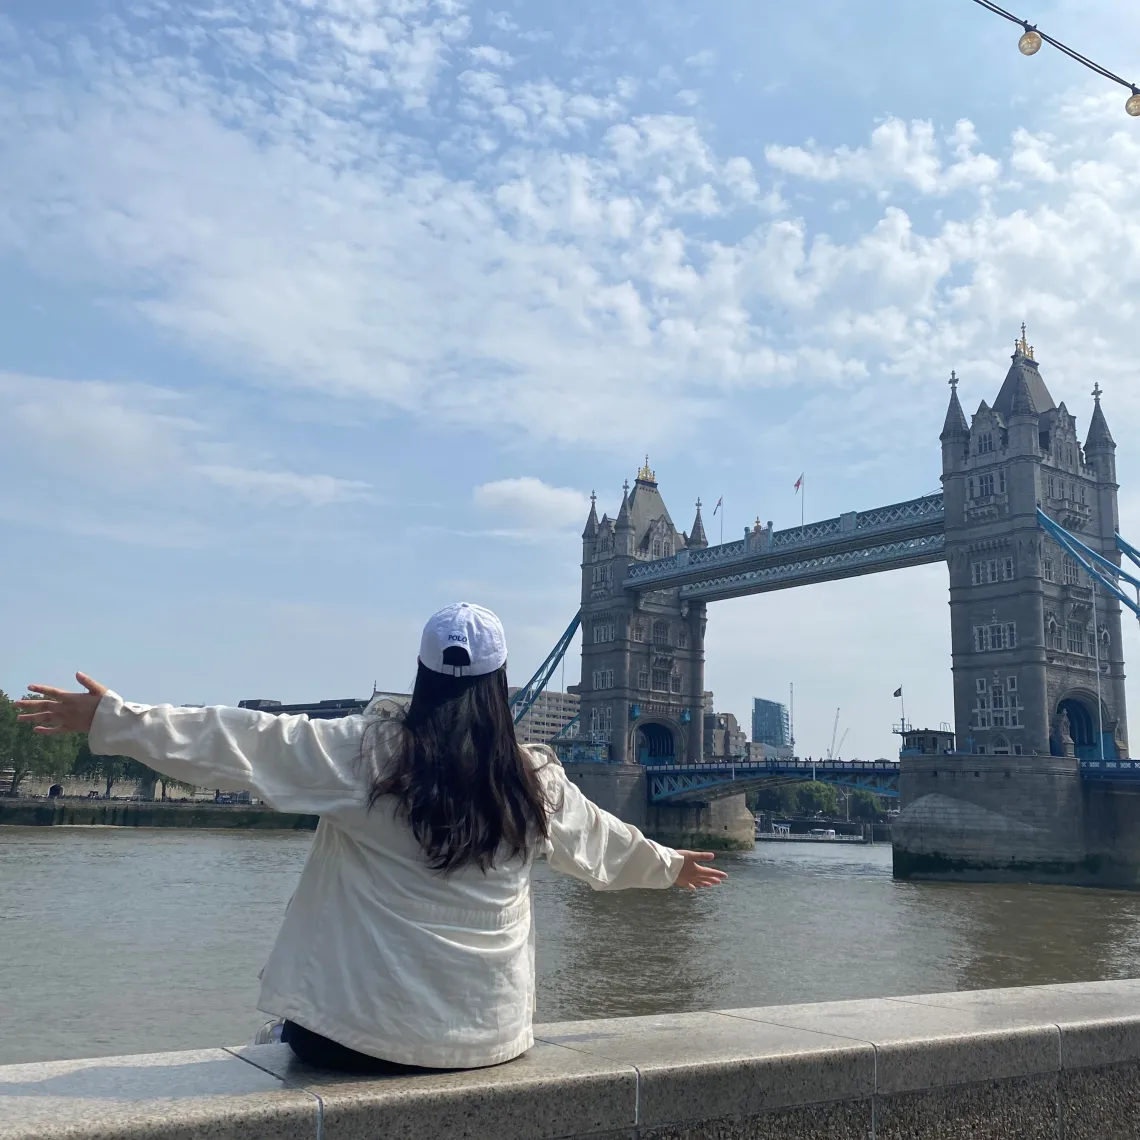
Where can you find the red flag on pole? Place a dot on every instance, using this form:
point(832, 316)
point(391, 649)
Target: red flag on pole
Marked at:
point(799, 483)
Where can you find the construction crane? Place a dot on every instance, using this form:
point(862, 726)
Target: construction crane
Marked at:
point(839, 748)
point(834, 730)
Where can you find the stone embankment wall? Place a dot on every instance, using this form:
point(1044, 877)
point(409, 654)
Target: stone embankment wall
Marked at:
point(120, 813)
point(1037, 1064)
point(1019, 818)
point(723, 824)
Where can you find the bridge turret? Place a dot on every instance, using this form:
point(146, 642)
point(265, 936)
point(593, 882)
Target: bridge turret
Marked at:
point(1022, 626)
point(955, 435)
point(1100, 447)
point(697, 538)
point(623, 528)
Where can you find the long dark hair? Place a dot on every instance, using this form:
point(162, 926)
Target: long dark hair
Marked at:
point(459, 776)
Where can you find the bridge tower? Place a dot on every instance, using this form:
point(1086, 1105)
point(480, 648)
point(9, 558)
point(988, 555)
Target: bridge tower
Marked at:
point(1025, 638)
point(642, 688)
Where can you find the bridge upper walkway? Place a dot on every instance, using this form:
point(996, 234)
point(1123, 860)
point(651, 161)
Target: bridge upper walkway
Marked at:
point(859, 542)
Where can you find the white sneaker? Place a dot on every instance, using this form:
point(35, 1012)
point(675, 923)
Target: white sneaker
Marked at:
point(269, 1033)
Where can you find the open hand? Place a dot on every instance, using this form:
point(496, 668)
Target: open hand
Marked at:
point(695, 874)
point(61, 711)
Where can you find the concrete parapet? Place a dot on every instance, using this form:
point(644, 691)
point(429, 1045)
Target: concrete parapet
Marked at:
point(1042, 1062)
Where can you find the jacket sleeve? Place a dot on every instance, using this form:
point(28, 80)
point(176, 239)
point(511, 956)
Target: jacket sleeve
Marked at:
point(593, 845)
point(292, 763)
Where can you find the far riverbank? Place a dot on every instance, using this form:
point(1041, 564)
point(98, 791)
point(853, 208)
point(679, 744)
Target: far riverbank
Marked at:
point(116, 813)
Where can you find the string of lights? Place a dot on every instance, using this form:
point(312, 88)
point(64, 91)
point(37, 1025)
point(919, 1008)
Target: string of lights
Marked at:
point(1030, 44)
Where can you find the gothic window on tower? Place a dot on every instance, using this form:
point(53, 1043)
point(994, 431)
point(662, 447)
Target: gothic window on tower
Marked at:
point(682, 638)
point(1075, 637)
point(995, 636)
point(603, 678)
point(1049, 569)
point(1054, 638)
point(660, 633)
point(982, 707)
point(675, 683)
point(601, 720)
point(643, 678)
point(660, 680)
point(638, 631)
point(1071, 570)
point(657, 549)
point(1001, 480)
point(667, 550)
point(604, 631)
point(992, 570)
point(603, 577)
point(985, 485)
point(1004, 709)
point(985, 442)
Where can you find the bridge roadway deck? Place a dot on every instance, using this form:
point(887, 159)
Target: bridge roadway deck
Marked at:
point(676, 783)
point(860, 542)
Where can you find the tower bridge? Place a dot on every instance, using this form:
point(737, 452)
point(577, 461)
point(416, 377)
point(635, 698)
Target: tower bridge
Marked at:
point(1027, 524)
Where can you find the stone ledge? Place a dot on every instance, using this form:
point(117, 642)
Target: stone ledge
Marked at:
point(1037, 1062)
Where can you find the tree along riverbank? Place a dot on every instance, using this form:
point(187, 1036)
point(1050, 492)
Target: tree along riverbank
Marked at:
point(112, 813)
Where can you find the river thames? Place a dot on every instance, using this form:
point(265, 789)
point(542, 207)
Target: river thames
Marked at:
point(125, 941)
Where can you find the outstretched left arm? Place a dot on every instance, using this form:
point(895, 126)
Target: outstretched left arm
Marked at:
point(290, 762)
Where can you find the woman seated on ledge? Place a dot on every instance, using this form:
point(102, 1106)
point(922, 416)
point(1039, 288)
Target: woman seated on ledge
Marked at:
point(409, 940)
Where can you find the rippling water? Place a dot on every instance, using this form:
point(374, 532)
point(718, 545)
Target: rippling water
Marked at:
point(122, 941)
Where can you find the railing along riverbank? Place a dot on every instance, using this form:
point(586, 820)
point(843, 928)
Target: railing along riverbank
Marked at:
point(1051, 1061)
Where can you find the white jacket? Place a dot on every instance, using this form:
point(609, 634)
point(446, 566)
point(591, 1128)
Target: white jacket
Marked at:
point(377, 951)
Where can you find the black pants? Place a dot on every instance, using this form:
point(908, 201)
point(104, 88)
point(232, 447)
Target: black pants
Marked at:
point(321, 1053)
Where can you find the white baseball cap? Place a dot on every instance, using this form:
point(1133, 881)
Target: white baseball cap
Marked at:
point(468, 627)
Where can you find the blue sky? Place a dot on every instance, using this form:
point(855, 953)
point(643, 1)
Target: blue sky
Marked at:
point(317, 315)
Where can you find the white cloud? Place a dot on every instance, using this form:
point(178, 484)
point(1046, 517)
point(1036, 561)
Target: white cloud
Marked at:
point(284, 486)
point(494, 56)
point(101, 455)
point(899, 152)
point(532, 503)
point(324, 239)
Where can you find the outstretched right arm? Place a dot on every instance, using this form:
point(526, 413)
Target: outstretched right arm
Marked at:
point(597, 847)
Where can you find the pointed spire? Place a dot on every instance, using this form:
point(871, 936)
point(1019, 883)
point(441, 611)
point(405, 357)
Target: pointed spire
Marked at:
point(1099, 438)
point(592, 522)
point(624, 521)
point(1022, 403)
point(697, 538)
point(955, 424)
point(1022, 347)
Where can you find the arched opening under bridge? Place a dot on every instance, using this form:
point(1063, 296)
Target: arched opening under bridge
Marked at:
point(1082, 722)
point(656, 744)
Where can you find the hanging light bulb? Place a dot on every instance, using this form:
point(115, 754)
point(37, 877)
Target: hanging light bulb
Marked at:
point(1133, 104)
point(1030, 42)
